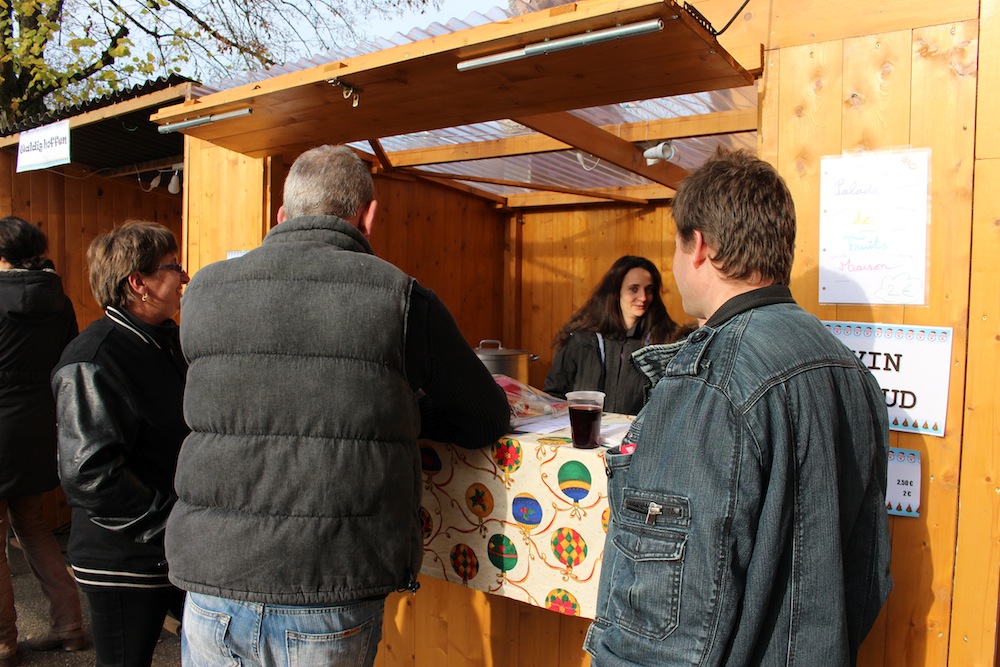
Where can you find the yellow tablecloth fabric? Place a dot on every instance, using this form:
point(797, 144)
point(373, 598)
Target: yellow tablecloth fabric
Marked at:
point(525, 518)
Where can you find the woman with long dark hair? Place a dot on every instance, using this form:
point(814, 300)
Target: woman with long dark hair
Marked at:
point(593, 349)
point(36, 322)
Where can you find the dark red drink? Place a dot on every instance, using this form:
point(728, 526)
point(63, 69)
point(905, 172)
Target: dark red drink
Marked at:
point(585, 422)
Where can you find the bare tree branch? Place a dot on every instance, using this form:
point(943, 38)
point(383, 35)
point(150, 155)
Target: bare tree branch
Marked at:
point(267, 62)
point(64, 51)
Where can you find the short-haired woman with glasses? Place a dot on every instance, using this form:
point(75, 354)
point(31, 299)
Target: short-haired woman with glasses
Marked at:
point(119, 387)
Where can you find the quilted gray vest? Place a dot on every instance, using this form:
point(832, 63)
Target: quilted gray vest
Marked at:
point(300, 481)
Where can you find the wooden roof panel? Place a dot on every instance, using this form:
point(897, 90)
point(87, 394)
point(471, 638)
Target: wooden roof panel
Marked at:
point(418, 87)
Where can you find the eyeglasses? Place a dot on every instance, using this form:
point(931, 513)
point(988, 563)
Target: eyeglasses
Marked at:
point(172, 267)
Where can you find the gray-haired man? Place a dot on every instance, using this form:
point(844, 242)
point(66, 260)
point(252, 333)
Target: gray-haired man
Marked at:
point(300, 483)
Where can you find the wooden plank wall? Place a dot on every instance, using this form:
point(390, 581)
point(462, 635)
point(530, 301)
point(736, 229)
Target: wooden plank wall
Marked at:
point(450, 242)
point(977, 560)
point(896, 89)
point(566, 252)
point(226, 200)
point(905, 87)
point(72, 209)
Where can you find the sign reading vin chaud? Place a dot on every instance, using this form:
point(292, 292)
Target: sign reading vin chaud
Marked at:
point(912, 365)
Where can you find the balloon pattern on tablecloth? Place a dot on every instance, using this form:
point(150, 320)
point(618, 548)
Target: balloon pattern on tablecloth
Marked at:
point(502, 552)
point(523, 518)
point(430, 461)
point(526, 511)
point(569, 547)
point(426, 524)
point(562, 601)
point(574, 482)
point(479, 500)
point(464, 562)
point(508, 454)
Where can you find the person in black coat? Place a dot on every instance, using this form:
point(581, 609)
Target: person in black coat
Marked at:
point(593, 349)
point(36, 323)
point(119, 388)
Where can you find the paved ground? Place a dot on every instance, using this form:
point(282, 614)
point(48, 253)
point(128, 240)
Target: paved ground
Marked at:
point(32, 618)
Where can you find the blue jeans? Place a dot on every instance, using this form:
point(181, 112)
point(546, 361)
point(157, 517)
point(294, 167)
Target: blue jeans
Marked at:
point(217, 632)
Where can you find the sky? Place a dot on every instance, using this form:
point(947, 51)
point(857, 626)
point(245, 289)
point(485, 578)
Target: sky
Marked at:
point(414, 19)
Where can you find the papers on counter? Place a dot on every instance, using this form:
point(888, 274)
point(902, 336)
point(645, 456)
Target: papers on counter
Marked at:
point(610, 433)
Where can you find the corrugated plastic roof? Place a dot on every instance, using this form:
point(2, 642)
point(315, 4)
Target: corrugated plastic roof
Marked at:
point(568, 169)
point(124, 139)
point(115, 97)
point(123, 143)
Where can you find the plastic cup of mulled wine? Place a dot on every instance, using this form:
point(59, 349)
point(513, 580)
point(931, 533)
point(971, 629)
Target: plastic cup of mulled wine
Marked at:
point(585, 408)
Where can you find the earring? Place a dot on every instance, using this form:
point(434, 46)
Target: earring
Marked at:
point(145, 298)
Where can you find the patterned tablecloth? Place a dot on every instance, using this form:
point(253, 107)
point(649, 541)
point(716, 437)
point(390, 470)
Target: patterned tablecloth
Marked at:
point(525, 518)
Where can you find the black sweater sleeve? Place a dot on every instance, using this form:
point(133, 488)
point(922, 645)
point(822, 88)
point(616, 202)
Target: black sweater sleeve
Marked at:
point(562, 375)
point(462, 404)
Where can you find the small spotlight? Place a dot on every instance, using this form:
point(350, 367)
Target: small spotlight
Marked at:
point(662, 151)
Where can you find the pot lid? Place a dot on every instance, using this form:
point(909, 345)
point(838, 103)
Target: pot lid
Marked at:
point(499, 351)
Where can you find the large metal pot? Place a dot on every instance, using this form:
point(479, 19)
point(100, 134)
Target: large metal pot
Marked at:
point(513, 363)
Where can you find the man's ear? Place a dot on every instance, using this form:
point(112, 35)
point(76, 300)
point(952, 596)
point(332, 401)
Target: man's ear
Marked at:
point(701, 252)
point(281, 217)
point(367, 218)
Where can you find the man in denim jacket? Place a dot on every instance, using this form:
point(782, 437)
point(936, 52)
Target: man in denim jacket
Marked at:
point(749, 525)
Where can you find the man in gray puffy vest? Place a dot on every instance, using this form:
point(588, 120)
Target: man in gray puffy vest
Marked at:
point(314, 366)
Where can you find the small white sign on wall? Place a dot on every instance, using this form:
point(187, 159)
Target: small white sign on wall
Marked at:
point(912, 365)
point(874, 215)
point(43, 147)
point(902, 494)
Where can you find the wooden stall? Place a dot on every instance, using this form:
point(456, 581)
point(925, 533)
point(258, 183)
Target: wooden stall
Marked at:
point(834, 78)
point(74, 203)
point(72, 209)
point(114, 152)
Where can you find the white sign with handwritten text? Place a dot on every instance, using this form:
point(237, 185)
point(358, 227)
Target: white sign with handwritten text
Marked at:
point(874, 212)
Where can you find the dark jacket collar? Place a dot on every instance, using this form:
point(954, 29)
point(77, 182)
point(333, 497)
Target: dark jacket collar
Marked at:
point(29, 291)
point(326, 228)
point(762, 296)
point(160, 336)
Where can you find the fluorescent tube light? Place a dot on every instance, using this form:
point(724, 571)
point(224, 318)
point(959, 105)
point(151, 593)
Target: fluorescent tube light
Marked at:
point(203, 120)
point(564, 43)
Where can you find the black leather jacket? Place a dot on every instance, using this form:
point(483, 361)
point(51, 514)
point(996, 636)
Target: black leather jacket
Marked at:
point(119, 389)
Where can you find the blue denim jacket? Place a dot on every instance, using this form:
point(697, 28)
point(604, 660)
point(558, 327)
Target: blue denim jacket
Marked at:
point(749, 526)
